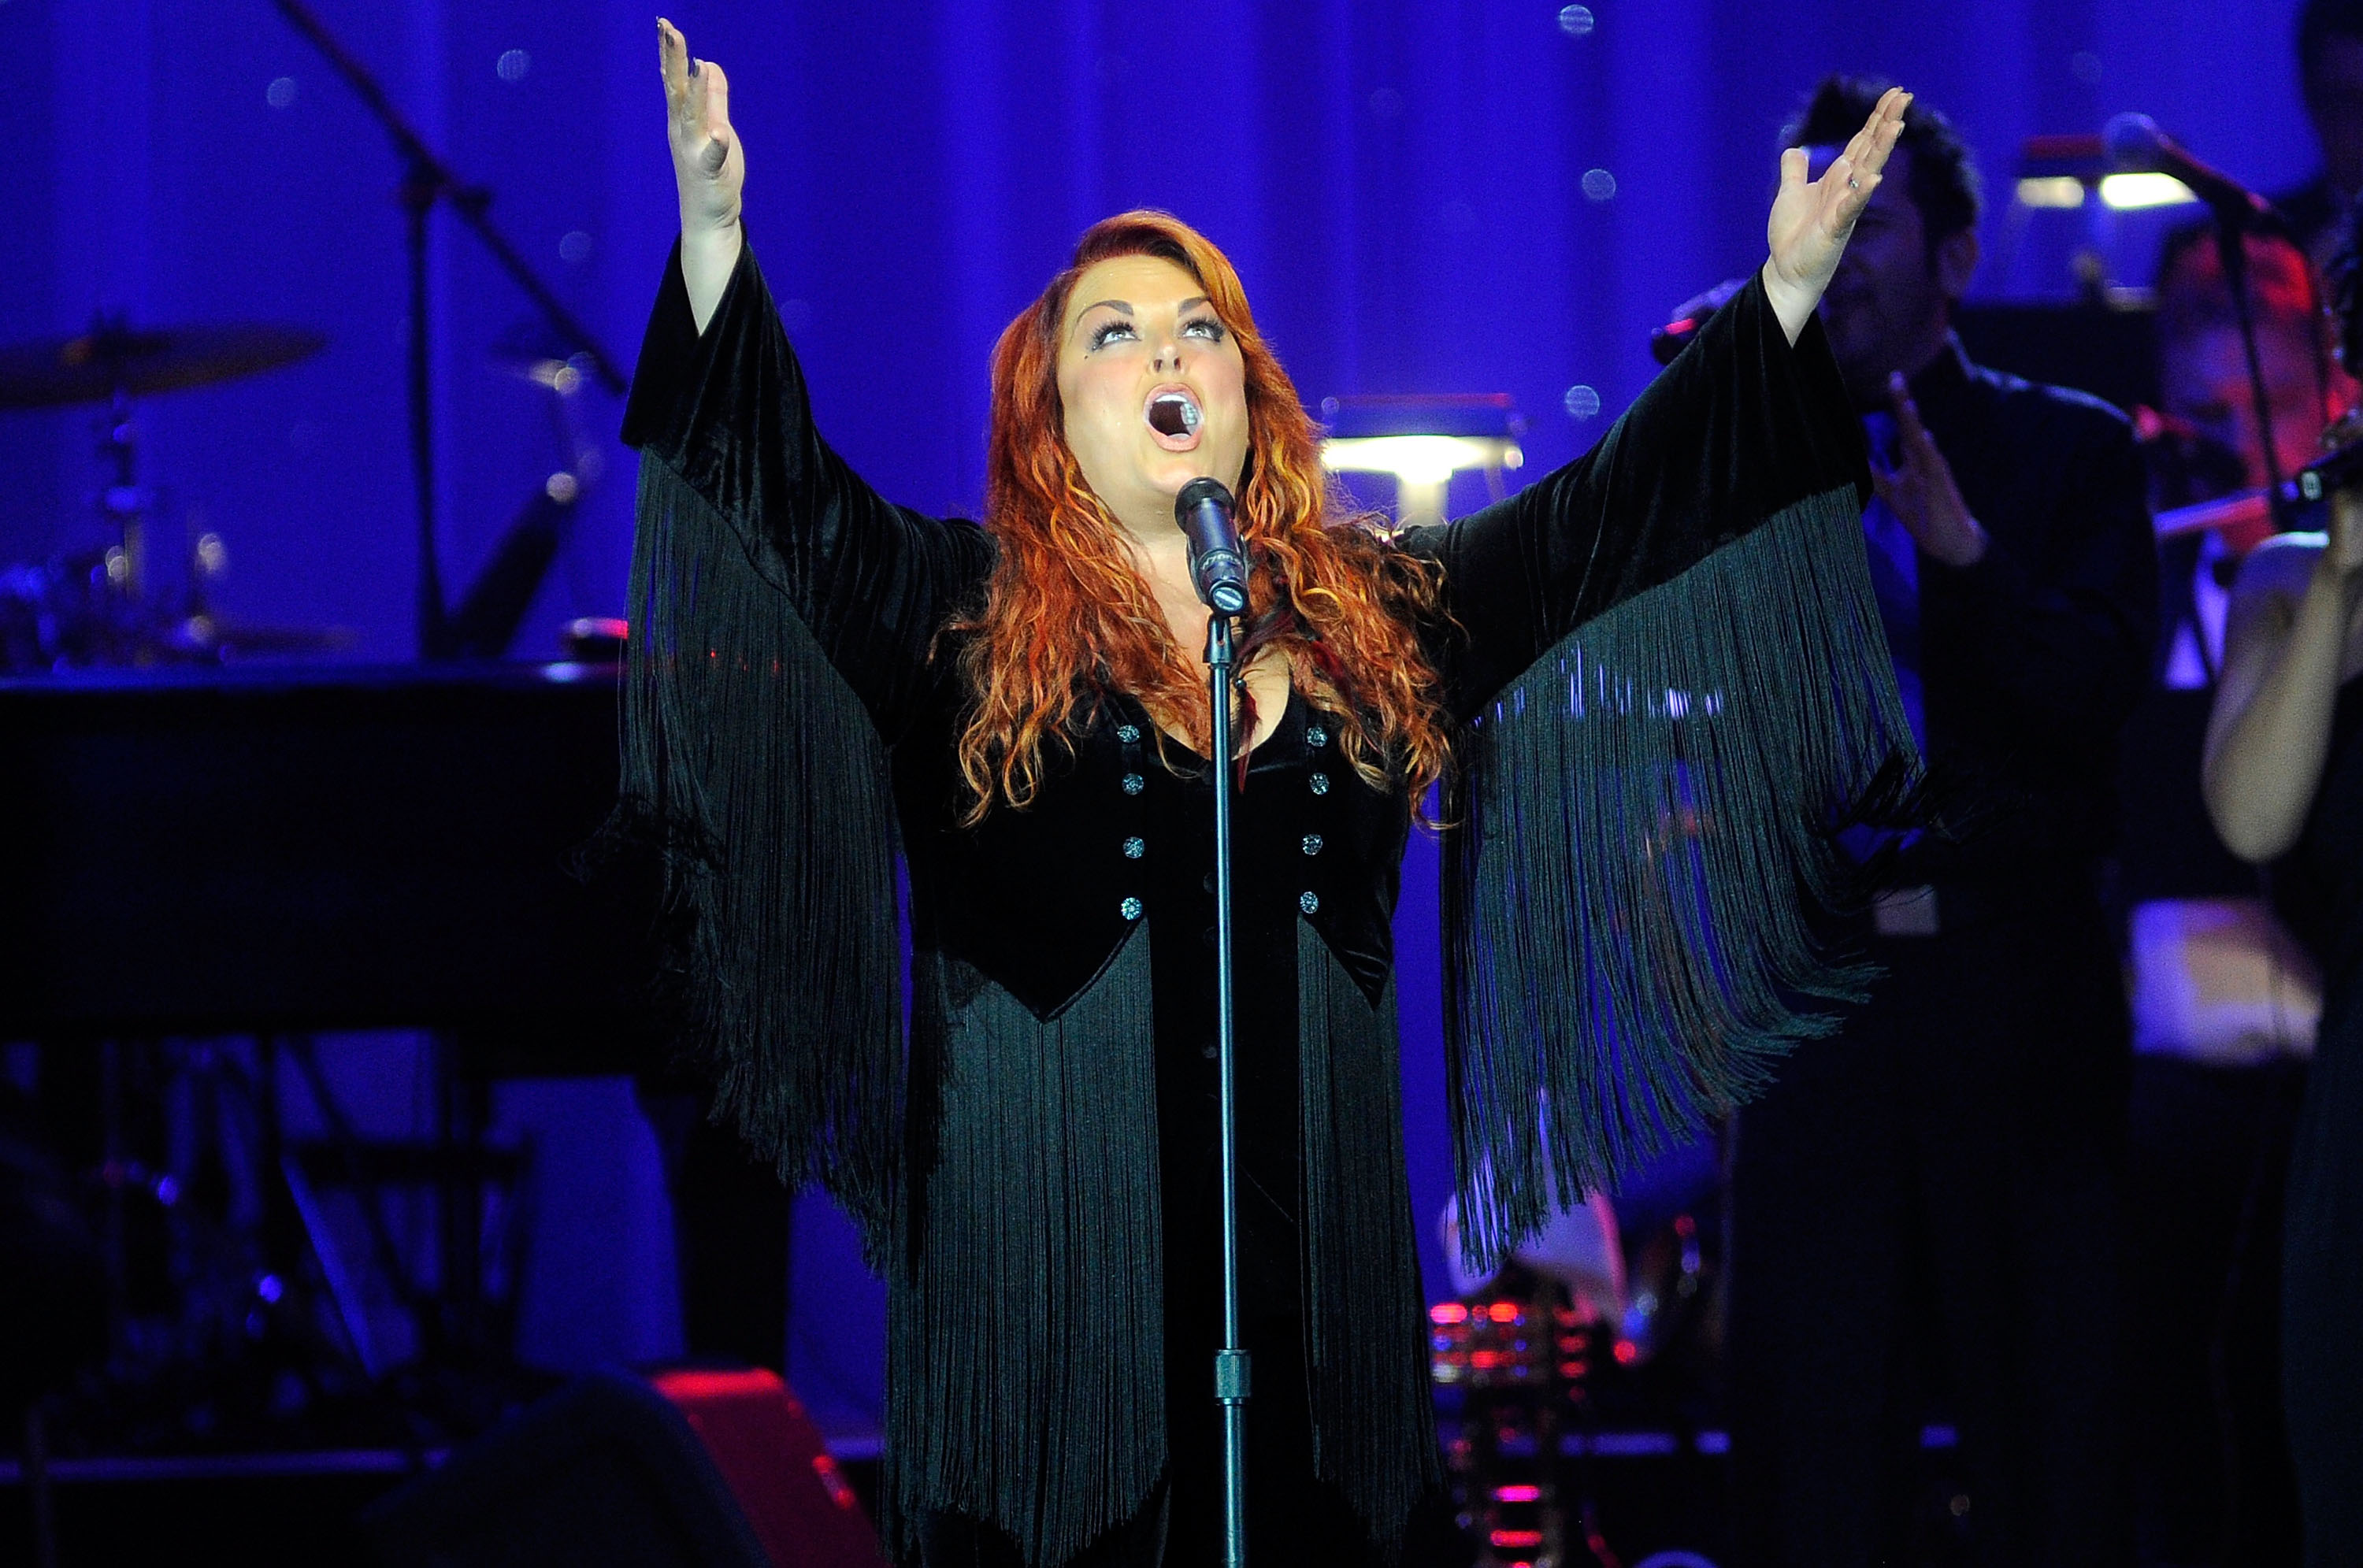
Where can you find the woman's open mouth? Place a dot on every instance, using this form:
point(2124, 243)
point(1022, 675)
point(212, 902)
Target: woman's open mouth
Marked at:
point(1174, 417)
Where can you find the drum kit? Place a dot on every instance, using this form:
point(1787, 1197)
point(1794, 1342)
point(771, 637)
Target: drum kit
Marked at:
point(101, 604)
point(96, 605)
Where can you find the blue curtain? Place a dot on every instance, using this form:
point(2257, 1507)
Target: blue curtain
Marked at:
point(1423, 196)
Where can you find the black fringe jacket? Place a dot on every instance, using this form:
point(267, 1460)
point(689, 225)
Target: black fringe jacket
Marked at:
point(1670, 680)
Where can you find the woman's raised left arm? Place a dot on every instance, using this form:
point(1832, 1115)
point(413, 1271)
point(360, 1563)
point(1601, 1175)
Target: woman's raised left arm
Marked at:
point(1750, 420)
point(1675, 685)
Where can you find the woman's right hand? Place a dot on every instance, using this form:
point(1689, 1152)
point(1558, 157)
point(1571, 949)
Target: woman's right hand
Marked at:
point(707, 165)
point(709, 169)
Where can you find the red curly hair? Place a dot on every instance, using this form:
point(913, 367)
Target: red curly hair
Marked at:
point(1067, 620)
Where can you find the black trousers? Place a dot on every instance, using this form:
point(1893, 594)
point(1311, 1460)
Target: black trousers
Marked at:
point(1926, 1204)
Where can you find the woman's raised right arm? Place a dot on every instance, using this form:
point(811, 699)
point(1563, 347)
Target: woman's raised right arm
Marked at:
point(709, 169)
point(782, 616)
point(2284, 651)
point(739, 496)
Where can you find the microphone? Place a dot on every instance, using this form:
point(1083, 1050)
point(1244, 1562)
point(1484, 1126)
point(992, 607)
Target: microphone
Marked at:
point(1205, 511)
point(2133, 142)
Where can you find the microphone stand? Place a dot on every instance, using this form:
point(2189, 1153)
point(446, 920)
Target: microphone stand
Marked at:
point(426, 180)
point(2232, 247)
point(1231, 1371)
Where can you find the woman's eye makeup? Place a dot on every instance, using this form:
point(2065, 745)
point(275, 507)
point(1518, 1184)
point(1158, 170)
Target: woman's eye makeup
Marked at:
point(1205, 327)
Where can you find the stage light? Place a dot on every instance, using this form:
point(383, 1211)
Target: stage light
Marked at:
point(1415, 460)
point(2127, 192)
point(2056, 171)
point(1423, 442)
point(2061, 191)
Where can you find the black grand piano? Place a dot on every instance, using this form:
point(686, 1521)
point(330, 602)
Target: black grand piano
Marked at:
point(332, 847)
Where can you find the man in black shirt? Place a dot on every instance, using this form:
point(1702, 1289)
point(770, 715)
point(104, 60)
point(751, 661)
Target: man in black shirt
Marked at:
point(1931, 1191)
point(2330, 74)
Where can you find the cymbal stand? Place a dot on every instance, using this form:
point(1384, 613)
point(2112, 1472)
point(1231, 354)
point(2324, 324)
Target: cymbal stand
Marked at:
point(426, 181)
point(124, 503)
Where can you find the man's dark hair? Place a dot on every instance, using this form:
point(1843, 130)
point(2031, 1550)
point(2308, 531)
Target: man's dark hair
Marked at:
point(2318, 22)
point(1944, 182)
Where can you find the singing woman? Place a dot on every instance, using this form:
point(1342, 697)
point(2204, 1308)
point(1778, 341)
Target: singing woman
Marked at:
point(1652, 682)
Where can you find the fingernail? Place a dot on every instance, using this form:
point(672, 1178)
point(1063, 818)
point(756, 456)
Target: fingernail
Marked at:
point(693, 65)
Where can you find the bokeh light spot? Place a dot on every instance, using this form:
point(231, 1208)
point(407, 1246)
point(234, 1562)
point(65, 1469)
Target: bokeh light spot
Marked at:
point(281, 92)
point(1582, 402)
point(513, 64)
point(1599, 185)
point(575, 248)
point(1576, 21)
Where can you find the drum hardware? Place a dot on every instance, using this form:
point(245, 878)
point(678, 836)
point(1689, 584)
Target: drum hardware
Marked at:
point(99, 606)
point(485, 620)
point(251, 1277)
point(112, 363)
point(595, 639)
point(427, 182)
point(1669, 1273)
point(1515, 1357)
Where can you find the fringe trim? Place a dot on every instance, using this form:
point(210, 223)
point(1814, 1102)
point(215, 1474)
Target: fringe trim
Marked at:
point(1026, 1338)
point(756, 774)
point(1647, 832)
point(1366, 1336)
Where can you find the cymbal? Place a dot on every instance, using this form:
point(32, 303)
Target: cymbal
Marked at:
point(89, 368)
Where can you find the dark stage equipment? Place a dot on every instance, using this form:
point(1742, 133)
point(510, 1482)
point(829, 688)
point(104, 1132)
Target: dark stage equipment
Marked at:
point(96, 607)
point(341, 847)
point(709, 1467)
point(426, 181)
point(265, 854)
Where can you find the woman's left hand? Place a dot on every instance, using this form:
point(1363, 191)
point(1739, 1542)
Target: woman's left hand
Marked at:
point(1811, 218)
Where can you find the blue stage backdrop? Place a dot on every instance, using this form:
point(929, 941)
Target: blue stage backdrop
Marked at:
point(1423, 196)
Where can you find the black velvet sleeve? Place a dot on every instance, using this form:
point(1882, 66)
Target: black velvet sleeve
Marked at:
point(1738, 428)
point(728, 414)
point(781, 620)
point(1673, 685)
